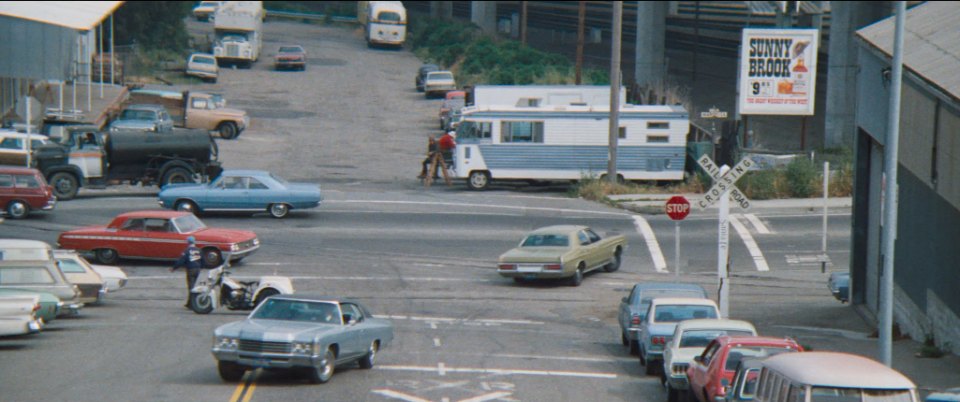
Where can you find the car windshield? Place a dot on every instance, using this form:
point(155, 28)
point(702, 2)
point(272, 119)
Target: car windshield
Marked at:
point(701, 337)
point(234, 38)
point(204, 60)
point(70, 266)
point(737, 353)
point(546, 240)
point(291, 49)
point(389, 16)
point(188, 223)
point(680, 312)
point(440, 76)
point(299, 310)
point(132, 114)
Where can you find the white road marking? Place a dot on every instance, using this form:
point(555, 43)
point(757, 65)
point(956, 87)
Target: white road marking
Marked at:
point(757, 224)
point(473, 370)
point(456, 204)
point(433, 325)
point(441, 369)
point(752, 247)
point(389, 393)
point(488, 397)
point(436, 342)
point(659, 263)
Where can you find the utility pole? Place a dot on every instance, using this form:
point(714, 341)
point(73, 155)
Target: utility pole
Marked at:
point(581, 15)
point(890, 202)
point(615, 91)
point(523, 22)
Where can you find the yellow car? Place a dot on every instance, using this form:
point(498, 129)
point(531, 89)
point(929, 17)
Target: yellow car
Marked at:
point(564, 251)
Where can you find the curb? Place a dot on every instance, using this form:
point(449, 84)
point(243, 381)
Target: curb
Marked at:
point(654, 203)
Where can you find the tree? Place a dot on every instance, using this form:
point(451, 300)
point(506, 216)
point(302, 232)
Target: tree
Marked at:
point(155, 25)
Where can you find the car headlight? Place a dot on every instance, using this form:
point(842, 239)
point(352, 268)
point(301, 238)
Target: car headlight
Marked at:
point(256, 242)
point(234, 247)
point(302, 348)
point(225, 342)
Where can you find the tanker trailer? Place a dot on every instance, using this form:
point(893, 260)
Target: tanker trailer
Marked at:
point(88, 158)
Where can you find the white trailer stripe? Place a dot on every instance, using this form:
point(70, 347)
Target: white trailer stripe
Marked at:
point(473, 370)
point(757, 224)
point(750, 243)
point(659, 263)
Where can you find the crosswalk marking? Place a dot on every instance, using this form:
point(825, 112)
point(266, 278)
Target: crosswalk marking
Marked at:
point(757, 224)
point(659, 263)
point(748, 241)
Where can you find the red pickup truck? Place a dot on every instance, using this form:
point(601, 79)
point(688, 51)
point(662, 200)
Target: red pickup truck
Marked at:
point(711, 373)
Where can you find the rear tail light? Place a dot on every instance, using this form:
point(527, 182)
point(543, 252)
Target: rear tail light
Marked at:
point(507, 267)
point(553, 267)
point(658, 340)
point(635, 320)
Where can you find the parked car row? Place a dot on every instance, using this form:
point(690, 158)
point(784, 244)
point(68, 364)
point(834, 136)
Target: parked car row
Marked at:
point(702, 357)
point(52, 283)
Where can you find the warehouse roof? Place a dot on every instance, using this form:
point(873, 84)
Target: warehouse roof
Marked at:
point(79, 15)
point(930, 46)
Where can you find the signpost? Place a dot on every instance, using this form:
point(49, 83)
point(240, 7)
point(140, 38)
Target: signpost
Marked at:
point(723, 190)
point(677, 209)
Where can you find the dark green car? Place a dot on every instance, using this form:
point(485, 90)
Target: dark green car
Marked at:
point(49, 304)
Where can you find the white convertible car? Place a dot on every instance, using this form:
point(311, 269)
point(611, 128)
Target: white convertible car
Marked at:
point(17, 315)
point(689, 339)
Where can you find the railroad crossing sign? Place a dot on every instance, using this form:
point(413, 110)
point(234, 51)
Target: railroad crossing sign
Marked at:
point(678, 207)
point(723, 183)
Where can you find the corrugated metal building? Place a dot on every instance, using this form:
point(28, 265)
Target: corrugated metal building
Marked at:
point(47, 41)
point(927, 256)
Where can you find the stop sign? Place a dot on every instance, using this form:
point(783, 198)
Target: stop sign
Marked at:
point(678, 208)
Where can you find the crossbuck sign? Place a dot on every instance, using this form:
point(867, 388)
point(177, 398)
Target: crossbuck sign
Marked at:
point(724, 182)
point(723, 191)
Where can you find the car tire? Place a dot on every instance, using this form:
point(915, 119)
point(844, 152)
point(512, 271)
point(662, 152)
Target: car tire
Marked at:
point(672, 394)
point(187, 206)
point(577, 277)
point(65, 185)
point(230, 372)
point(640, 354)
point(323, 373)
point(650, 368)
point(107, 256)
point(518, 279)
point(623, 339)
point(278, 210)
point(201, 303)
point(615, 264)
point(370, 358)
point(478, 180)
point(17, 209)
point(264, 294)
point(634, 348)
point(211, 257)
point(176, 175)
point(228, 130)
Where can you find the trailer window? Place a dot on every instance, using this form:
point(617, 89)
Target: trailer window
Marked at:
point(658, 139)
point(658, 125)
point(475, 130)
point(521, 131)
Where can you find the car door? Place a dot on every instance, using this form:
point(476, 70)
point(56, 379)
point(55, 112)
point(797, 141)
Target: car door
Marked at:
point(623, 313)
point(259, 195)
point(589, 250)
point(28, 188)
point(161, 239)
point(698, 372)
point(356, 332)
point(86, 152)
point(229, 192)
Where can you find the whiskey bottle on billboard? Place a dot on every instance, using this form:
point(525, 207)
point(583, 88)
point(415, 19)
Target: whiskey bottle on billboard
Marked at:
point(801, 78)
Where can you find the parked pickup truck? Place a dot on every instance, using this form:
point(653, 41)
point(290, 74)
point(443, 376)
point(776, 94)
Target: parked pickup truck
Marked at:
point(196, 110)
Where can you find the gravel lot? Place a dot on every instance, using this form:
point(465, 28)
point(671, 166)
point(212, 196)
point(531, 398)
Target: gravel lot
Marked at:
point(352, 118)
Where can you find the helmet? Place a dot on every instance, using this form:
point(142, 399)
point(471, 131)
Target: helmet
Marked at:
point(191, 240)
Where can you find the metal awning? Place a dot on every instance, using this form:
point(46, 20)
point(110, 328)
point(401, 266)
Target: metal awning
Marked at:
point(78, 15)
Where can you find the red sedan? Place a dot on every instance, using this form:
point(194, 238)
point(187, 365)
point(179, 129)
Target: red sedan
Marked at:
point(158, 235)
point(711, 373)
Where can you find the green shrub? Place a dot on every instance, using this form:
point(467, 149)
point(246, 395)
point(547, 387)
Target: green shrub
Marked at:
point(760, 185)
point(800, 176)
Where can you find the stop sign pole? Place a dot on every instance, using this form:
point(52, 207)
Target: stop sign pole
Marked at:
point(677, 209)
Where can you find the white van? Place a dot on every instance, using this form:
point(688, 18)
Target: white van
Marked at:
point(831, 377)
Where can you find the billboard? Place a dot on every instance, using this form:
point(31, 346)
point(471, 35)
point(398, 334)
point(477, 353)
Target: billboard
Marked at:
point(778, 71)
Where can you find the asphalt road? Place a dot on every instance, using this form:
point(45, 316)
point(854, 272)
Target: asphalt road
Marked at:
point(423, 258)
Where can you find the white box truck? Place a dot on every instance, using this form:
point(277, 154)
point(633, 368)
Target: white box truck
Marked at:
point(238, 27)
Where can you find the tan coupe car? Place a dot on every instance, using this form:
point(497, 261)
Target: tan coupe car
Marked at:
point(564, 251)
point(79, 272)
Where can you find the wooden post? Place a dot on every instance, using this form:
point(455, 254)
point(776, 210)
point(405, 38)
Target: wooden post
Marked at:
point(580, 20)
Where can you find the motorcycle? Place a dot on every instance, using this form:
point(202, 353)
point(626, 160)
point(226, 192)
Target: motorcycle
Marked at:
point(219, 289)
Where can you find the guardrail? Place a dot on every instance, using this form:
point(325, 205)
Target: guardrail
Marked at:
point(309, 16)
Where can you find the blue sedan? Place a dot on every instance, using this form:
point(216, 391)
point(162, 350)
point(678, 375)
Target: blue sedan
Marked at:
point(242, 190)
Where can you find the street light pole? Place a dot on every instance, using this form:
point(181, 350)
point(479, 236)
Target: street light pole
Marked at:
point(615, 91)
point(891, 150)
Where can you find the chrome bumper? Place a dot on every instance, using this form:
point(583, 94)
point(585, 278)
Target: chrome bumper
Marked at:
point(266, 360)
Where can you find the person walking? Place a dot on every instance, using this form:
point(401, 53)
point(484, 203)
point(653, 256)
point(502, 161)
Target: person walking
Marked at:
point(446, 144)
point(190, 259)
point(431, 151)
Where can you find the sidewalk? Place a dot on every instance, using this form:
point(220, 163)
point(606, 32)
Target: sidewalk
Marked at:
point(651, 203)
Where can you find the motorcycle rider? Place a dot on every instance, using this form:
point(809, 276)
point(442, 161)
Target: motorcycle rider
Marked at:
point(190, 259)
